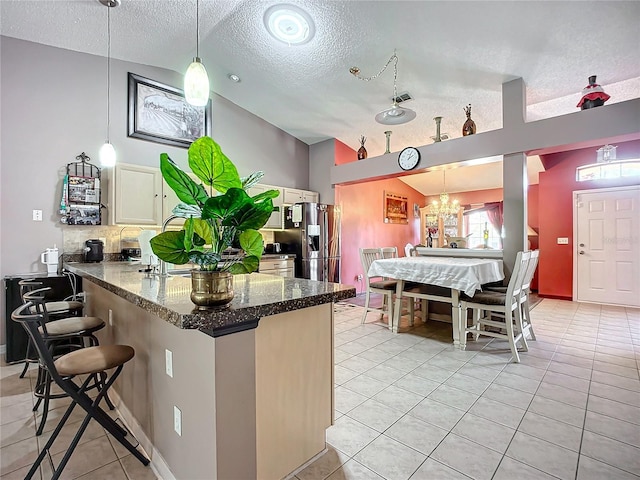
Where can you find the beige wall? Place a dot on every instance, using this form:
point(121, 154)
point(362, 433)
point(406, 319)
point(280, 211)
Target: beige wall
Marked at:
point(149, 394)
point(53, 107)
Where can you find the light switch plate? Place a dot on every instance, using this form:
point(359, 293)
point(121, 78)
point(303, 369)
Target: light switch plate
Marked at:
point(563, 241)
point(177, 420)
point(169, 362)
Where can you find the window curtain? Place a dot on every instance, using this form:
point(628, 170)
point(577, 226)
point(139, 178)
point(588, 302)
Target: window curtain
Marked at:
point(495, 213)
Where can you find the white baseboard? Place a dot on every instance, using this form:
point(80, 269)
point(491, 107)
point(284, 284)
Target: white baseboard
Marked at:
point(158, 463)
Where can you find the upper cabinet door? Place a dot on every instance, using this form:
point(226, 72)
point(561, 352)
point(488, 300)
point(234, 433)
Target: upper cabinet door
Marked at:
point(293, 195)
point(137, 195)
point(275, 220)
point(170, 200)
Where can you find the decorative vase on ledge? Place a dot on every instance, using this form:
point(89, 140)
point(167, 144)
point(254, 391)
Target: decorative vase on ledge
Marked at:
point(362, 152)
point(592, 95)
point(469, 127)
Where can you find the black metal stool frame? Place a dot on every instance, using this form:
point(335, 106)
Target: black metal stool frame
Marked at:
point(42, 391)
point(76, 392)
point(27, 286)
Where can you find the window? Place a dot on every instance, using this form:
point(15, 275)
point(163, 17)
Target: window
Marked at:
point(475, 224)
point(606, 170)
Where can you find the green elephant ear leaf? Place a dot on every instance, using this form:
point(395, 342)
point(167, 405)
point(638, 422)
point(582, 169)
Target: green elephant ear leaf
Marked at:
point(186, 189)
point(212, 166)
point(169, 246)
point(252, 243)
point(249, 264)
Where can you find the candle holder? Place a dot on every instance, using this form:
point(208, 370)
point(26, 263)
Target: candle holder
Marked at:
point(388, 135)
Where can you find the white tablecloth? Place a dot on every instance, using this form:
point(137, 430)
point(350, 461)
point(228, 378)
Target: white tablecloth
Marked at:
point(463, 274)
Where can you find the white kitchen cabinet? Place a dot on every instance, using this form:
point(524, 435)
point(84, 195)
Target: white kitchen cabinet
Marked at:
point(275, 220)
point(135, 195)
point(140, 196)
point(170, 200)
point(294, 195)
point(278, 266)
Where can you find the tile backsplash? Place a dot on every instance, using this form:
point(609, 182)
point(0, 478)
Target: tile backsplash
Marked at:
point(115, 237)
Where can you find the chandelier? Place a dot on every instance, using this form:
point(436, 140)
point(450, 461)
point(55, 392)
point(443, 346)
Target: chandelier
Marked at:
point(444, 209)
point(395, 114)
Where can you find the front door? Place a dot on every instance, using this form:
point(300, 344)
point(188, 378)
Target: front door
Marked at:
point(607, 247)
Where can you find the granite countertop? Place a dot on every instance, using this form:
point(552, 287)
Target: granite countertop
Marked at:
point(256, 295)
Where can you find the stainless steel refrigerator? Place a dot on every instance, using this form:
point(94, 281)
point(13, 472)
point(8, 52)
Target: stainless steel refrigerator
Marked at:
point(312, 232)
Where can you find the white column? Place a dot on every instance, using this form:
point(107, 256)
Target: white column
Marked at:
point(515, 186)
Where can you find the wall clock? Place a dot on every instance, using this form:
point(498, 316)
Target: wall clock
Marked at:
point(409, 158)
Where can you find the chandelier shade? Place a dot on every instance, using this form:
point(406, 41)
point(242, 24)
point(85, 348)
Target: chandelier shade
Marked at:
point(444, 209)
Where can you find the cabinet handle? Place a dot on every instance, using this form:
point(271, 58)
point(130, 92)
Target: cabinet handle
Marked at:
point(156, 195)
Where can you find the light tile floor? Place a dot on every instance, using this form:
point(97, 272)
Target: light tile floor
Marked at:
point(412, 406)
point(98, 456)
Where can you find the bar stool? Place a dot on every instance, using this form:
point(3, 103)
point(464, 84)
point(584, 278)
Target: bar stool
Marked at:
point(90, 361)
point(63, 334)
point(69, 307)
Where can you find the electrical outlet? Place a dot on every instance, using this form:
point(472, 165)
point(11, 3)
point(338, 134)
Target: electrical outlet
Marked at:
point(37, 215)
point(110, 318)
point(177, 420)
point(103, 240)
point(563, 241)
point(359, 277)
point(169, 362)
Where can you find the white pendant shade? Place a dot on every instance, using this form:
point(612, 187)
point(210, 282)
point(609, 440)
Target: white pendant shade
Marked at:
point(107, 155)
point(395, 115)
point(196, 84)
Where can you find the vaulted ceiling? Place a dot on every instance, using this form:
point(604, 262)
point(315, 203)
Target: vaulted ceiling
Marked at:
point(451, 54)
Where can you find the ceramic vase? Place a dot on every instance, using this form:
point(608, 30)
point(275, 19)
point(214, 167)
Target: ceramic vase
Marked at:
point(469, 127)
point(362, 152)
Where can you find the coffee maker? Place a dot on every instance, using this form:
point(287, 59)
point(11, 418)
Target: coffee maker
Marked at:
point(93, 251)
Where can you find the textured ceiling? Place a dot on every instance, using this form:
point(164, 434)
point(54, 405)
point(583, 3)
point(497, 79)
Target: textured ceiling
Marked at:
point(450, 54)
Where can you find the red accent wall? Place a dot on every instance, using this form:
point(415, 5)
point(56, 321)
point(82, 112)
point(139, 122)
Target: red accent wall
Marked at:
point(555, 203)
point(363, 225)
point(344, 153)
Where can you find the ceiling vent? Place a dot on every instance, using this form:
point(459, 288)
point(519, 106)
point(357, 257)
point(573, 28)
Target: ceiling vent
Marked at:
point(402, 97)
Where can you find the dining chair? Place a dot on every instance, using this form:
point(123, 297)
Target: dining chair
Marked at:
point(507, 304)
point(389, 252)
point(61, 335)
point(526, 290)
point(90, 362)
point(386, 288)
point(409, 250)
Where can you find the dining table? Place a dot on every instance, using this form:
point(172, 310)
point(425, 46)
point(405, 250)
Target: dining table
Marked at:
point(460, 275)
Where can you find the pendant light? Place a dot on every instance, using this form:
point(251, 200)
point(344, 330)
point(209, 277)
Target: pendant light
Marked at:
point(196, 80)
point(107, 152)
point(395, 114)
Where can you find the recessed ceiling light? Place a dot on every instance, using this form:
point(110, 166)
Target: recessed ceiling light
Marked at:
point(289, 24)
point(234, 78)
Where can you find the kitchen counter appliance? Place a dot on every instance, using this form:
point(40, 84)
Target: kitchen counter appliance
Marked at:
point(312, 232)
point(93, 251)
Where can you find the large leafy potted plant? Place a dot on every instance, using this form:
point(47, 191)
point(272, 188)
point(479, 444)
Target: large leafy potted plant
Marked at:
point(219, 213)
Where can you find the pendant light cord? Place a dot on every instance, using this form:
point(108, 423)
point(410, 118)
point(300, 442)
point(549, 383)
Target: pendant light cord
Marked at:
point(197, 28)
point(108, 71)
point(355, 71)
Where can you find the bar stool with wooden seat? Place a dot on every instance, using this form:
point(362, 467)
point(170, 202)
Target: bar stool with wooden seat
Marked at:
point(90, 361)
point(64, 334)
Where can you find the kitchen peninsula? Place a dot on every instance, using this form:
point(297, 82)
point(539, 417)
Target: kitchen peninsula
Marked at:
point(243, 392)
